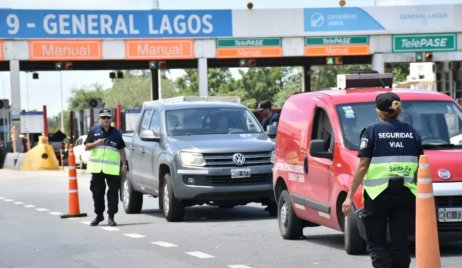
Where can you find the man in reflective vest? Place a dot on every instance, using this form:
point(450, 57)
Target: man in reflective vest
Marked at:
point(107, 162)
point(389, 155)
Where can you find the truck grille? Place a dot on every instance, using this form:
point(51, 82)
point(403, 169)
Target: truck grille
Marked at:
point(449, 201)
point(226, 159)
point(227, 180)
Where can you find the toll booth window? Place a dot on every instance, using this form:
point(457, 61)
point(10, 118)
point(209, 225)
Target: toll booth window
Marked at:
point(322, 129)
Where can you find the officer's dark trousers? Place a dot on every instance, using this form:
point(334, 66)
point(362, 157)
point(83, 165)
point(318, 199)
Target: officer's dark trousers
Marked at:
point(395, 206)
point(98, 188)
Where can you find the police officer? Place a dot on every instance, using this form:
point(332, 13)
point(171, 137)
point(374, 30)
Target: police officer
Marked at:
point(389, 152)
point(107, 162)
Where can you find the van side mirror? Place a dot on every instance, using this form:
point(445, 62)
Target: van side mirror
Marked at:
point(149, 135)
point(318, 148)
point(271, 130)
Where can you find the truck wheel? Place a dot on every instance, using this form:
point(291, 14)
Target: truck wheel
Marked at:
point(354, 244)
point(131, 199)
point(290, 226)
point(173, 209)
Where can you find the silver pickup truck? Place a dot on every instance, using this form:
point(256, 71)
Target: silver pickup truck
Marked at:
point(194, 153)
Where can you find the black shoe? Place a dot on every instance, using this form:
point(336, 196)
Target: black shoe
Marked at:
point(97, 220)
point(111, 222)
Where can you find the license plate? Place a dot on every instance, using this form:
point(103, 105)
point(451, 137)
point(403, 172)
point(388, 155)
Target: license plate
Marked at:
point(449, 214)
point(240, 173)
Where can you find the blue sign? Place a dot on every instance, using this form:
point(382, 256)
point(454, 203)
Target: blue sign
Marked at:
point(114, 24)
point(339, 19)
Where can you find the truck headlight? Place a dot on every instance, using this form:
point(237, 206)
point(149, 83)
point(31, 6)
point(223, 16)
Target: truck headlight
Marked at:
point(192, 159)
point(273, 156)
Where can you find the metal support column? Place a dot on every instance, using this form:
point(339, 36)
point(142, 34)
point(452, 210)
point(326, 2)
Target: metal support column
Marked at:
point(203, 77)
point(307, 78)
point(155, 84)
point(15, 88)
point(378, 63)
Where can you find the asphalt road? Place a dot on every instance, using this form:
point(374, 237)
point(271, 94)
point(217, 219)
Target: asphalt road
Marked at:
point(32, 234)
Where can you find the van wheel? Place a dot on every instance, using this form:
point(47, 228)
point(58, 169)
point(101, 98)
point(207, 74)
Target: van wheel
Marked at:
point(354, 244)
point(131, 199)
point(173, 209)
point(290, 226)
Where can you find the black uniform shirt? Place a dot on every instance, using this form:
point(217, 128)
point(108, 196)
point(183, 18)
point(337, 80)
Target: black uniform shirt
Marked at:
point(113, 137)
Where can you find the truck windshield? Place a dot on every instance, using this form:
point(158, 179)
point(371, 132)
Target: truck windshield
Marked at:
point(439, 123)
point(205, 121)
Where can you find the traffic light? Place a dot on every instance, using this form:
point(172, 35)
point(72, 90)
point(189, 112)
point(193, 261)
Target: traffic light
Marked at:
point(153, 64)
point(59, 65)
point(334, 60)
point(112, 75)
point(250, 63)
point(162, 64)
point(423, 56)
point(64, 65)
point(157, 64)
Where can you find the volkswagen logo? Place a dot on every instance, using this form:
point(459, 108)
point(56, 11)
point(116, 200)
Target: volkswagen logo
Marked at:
point(239, 159)
point(444, 174)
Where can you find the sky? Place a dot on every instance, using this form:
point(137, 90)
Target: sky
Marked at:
point(48, 89)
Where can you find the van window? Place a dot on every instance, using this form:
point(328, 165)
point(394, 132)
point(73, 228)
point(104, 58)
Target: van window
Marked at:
point(437, 122)
point(322, 129)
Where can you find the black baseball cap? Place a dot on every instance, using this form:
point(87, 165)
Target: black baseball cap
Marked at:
point(105, 112)
point(265, 104)
point(384, 101)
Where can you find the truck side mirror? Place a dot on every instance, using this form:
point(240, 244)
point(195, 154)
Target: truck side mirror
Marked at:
point(149, 135)
point(318, 148)
point(271, 130)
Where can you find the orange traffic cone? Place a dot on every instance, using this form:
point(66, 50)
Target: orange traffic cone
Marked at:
point(74, 207)
point(426, 236)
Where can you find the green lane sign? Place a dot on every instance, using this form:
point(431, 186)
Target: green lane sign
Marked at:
point(425, 42)
point(249, 42)
point(340, 40)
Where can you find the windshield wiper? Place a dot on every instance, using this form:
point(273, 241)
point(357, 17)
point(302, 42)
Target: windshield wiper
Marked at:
point(437, 146)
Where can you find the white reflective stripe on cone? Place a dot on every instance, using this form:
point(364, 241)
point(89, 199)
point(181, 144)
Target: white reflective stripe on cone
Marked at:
point(424, 195)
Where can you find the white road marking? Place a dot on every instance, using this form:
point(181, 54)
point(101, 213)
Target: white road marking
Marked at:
point(41, 209)
point(239, 266)
point(110, 228)
point(84, 222)
point(8, 200)
point(1, 197)
point(56, 213)
point(29, 206)
point(133, 235)
point(199, 254)
point(164, 244)
point(18, 203)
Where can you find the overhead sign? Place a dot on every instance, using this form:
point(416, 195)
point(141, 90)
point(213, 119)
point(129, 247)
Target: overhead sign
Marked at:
point(425, 42)
point(249, 48)
point(65, 50)
point(20, 24)
point(337, 46)
point(339, 19)
point(159, 49)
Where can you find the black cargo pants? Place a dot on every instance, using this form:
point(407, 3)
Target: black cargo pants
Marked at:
point(98, 189)
point(393, 208)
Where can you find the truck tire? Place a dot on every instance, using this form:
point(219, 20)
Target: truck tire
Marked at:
point(290, 226)
point(173, 209)
point(354, 244)
point(132, 200)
